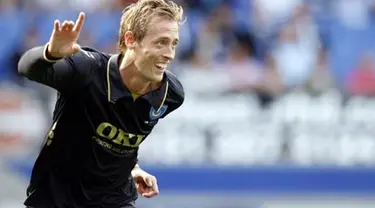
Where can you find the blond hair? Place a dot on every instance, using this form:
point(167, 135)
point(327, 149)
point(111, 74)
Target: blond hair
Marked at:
point(137, 16)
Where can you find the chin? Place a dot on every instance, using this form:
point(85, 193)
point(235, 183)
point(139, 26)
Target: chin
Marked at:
point(158, 78)
point(155, 78)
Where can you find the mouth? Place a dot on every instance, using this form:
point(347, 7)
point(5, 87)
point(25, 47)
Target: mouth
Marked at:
point(161, 67)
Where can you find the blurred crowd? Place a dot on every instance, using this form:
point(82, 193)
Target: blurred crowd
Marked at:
point(265, 47)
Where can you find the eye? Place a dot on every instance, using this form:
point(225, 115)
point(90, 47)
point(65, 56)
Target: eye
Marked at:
point(162, 42)
point(175, 44)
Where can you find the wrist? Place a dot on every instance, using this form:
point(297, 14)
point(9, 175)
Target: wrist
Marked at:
point(135, 169)
point(48, 56)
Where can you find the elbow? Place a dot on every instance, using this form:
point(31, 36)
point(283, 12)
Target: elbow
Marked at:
point(29, 61)
point(23, 67)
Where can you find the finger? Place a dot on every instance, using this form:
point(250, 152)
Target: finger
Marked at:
point(56, 25)
point(76, 48)
point(70, 25)
point(150, 194)
point(152, 189)
point(156, 188)
point(142, 189)
point(149, 181)
point(65, 25)
point(79, 22)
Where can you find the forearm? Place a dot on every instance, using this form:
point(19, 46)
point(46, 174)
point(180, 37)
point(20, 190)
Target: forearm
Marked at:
point(34, 64)
point(60, 74)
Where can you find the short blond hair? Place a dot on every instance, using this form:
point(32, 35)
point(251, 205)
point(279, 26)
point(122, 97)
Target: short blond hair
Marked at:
point(137, 16)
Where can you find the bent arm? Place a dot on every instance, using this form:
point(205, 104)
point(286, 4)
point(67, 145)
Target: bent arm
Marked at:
point(62, 74)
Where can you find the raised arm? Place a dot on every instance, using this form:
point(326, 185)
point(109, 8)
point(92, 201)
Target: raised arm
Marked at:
point(61, 63)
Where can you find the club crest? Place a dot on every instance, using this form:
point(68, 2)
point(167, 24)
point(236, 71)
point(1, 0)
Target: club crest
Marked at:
point(154, 114)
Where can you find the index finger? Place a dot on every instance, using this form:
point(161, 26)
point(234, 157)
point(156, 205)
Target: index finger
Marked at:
point(79, 23)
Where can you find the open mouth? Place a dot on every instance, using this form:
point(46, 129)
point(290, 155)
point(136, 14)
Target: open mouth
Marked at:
point(160, 67)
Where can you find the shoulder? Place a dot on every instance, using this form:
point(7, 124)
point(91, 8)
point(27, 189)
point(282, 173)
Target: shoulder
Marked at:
point(176, 90)
point(90, 57)
point(87, 64)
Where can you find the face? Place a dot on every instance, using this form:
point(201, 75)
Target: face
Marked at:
point(157, 49)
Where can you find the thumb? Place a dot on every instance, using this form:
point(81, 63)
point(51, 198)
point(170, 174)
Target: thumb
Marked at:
point(148, 181)
point(76, 48)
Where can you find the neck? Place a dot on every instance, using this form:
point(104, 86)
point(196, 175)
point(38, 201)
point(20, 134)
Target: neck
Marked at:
point(132, 79)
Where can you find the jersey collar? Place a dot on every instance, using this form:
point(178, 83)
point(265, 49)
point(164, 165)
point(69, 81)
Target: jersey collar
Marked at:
point(116, 89)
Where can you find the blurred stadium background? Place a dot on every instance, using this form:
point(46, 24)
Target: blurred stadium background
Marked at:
point(279, 109)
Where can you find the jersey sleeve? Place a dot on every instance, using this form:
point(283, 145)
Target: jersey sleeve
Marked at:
point(64, 75)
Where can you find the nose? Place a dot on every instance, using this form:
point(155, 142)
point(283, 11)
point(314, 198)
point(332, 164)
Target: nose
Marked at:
point(169, 54)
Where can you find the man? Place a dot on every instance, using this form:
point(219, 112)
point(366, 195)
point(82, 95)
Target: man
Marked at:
point(107, 105)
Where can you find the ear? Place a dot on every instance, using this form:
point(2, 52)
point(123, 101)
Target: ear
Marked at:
point(129, 40)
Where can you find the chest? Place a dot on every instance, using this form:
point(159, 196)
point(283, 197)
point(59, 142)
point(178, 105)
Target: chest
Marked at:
point(133, 116)
point(123, 124)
